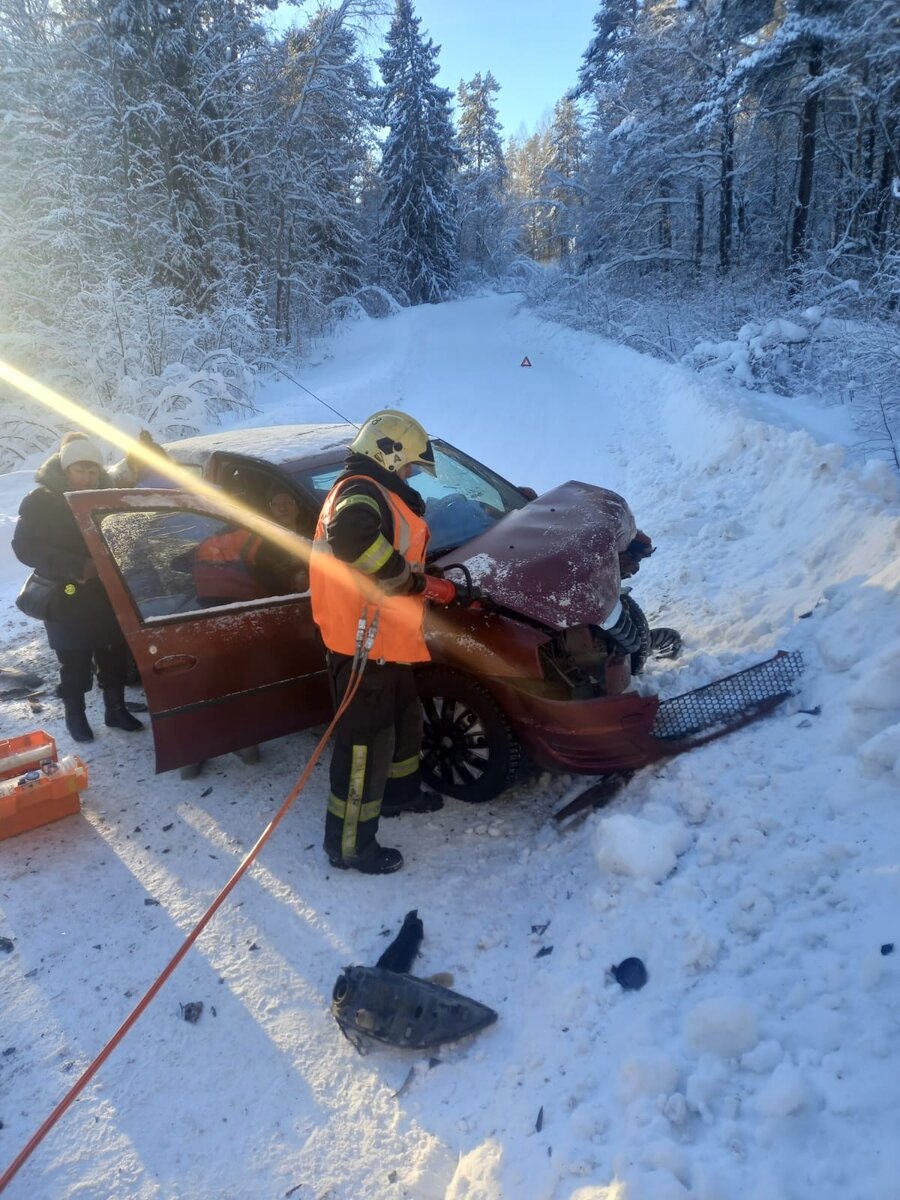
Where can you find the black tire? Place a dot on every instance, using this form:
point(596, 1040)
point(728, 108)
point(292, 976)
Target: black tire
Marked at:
point(639, 657)
point(469, 750)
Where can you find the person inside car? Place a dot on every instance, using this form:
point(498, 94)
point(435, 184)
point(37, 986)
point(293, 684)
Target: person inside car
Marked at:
point(226, 567)
point(285, 572)
point(237, 563)
point(368, 561)
point(282, 506)
point(80, 623)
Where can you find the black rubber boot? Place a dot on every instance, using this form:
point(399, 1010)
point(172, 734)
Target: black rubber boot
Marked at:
point(422, 802)
point(117, 715)
point(374, 860)
point(76, 720)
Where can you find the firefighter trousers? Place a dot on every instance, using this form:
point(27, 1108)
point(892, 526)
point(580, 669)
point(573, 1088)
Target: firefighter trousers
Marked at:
point(376, 751)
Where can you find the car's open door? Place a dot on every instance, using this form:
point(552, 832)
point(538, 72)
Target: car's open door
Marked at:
point(225, 660)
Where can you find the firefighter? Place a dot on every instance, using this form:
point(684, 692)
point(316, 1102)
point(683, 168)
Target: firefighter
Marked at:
point(368, 562)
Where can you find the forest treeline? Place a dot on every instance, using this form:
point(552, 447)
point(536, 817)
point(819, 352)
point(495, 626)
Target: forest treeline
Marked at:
point(188, 193)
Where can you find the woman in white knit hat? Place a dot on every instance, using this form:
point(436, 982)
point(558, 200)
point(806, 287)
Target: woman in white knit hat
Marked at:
point(81, 625)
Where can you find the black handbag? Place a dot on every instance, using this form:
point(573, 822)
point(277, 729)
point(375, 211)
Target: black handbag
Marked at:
point(37, 596)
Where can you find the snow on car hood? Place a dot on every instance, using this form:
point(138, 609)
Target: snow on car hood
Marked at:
point(556, 559)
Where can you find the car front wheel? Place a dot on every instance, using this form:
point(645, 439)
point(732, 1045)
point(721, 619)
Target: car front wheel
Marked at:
point(468, 748)
point(639, 657)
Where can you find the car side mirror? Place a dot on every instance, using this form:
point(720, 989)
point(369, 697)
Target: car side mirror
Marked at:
point(528, 493)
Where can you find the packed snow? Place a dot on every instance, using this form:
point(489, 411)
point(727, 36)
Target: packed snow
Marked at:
point(756, 878)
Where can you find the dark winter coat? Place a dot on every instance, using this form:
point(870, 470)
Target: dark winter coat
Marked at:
point(48, 539)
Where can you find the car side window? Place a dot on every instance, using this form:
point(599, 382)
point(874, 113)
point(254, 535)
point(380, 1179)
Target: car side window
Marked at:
point(179, 561)
point(319, 483)
point(323, 481)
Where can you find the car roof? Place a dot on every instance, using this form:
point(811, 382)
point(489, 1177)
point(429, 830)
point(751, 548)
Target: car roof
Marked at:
point(280, 445)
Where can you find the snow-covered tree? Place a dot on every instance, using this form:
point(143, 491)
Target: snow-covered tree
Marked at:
point(486, 236)
point(603, 67)
point(327, 105)
point(479, 126)
point(563, 185)
point(721, 130)
point(419, 226)
point(175, 186)
point(527, 160)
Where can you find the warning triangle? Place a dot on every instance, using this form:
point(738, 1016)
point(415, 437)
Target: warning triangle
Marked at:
point(526, 362)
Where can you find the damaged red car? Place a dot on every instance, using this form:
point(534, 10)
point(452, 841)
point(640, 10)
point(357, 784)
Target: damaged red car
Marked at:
point(532, 677)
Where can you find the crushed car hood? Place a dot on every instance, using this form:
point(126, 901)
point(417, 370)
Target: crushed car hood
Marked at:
point(556, 559)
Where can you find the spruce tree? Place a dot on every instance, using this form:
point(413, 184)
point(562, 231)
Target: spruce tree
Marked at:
point(419, 224)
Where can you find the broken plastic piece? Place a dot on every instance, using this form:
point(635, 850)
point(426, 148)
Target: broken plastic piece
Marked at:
point(402, 1010)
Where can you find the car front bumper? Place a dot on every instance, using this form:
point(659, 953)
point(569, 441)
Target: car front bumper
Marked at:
point(585, 737)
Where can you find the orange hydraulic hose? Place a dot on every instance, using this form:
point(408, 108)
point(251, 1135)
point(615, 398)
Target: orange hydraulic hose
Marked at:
point(91, 1071)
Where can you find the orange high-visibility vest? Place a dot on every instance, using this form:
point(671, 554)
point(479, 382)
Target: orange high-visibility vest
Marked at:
point(224, 567)
point(341, 594)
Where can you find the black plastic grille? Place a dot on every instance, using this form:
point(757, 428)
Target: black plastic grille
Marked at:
point(735, 696)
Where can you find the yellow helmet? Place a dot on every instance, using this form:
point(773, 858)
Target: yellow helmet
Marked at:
point(393, 439)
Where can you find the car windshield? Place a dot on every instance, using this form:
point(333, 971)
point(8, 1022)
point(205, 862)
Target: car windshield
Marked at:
point(462, 499)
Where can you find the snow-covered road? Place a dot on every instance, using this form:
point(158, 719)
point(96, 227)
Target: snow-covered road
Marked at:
point(757, 878)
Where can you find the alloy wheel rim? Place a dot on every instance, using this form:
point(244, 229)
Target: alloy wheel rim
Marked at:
point(454, 741)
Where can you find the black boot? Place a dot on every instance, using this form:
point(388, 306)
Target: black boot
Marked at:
point(373, 860)
point(422, 802)
point(76, 719)
point(117, 715)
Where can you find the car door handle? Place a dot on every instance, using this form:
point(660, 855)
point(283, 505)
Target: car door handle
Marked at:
point(174, 662)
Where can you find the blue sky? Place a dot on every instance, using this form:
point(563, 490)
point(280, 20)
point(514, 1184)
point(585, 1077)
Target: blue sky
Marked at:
point(533, 49)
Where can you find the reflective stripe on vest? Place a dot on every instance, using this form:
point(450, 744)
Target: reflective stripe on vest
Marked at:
point(341, 594)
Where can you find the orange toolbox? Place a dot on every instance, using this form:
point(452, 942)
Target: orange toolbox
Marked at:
point(25, 753)
point(36, 787)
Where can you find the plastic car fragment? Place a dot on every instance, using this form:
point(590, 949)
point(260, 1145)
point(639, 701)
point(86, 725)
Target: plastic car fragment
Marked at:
point(402, 1010)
